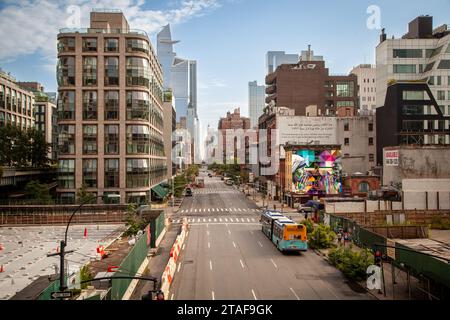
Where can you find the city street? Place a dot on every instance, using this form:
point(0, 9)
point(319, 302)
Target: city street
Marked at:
point(227, 257)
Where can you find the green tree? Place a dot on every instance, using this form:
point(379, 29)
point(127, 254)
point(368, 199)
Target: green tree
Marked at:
point(39, 192)
point(84, 196)
point(322, 237)
point(133, 221)
point(353, 263)
point(309, 226)
point(39, 148)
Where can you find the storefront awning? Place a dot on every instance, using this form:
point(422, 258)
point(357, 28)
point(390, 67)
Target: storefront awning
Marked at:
point(160, 191)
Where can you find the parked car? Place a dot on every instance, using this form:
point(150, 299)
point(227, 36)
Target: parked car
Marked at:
point(229, 182)
point(188, 192)
point(310, 206)
point(209, 175)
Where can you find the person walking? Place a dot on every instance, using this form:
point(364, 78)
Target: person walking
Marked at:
point(339, 237)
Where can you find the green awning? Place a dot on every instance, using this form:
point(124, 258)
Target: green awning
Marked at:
point(160, 191)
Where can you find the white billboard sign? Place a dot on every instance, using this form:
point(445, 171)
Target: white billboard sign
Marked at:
point(391, 158)
point(307, 130)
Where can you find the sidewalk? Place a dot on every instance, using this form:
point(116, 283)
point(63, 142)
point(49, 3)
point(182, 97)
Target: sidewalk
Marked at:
point(157, 263)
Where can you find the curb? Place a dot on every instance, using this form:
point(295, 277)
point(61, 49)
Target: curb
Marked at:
point(354, 282)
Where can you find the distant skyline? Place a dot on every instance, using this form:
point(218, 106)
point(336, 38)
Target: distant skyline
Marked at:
point(228, 39)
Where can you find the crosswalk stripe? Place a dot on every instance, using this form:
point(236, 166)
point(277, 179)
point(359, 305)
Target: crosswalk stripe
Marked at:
point(209, 210)
point(231, 219)
point(242, 220)
point(226, 220)
point(220, 219)
point(248, 219)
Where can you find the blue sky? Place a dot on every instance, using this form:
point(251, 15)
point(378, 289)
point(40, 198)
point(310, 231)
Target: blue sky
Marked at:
point(228, 38)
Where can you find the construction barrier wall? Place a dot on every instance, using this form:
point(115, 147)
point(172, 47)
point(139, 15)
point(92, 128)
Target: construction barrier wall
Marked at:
point(157, 226)
point(129, 267)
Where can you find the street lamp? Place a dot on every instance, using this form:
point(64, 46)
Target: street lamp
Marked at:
point(62, 252)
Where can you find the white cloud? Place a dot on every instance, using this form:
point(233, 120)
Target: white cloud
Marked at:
point(213, 83)
point(30, 26)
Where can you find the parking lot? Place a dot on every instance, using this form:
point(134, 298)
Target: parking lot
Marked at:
point(24, 251)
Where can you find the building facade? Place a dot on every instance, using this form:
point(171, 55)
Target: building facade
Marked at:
point(422, 54)
point(256, 102)
point(170, 125)
point(296, 86)
point(277, 58)
point(233, 121)
point(16, 103)
point(110, 116)
point(366, 75)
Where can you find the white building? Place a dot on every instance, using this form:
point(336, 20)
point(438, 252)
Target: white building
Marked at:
point(276, 58)
point(421, 54)
point(366, 74)
point(256, 102)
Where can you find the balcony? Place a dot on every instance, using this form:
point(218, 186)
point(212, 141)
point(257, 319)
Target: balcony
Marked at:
point(270, 78)
point(271, 98)
point(107, 31)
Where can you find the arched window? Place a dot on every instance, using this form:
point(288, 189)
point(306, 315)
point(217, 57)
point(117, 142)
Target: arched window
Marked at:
point(364, 187)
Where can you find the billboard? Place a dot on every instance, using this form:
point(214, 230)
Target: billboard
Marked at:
point(316, 171)
point(304, 130)
point(391, 158)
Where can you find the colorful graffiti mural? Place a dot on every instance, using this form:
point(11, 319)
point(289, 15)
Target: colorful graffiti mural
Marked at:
point(316, 172)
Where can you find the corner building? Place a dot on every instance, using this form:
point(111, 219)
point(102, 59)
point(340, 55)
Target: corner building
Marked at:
point(110, 115)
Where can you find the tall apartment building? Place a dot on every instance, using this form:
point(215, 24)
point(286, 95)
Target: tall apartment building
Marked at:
point(16, 103)
point(110, 111)
point(421, 54)
point(45, 115)
point(170, 125)
point(233, 121)
point(308, 82)
point(366, 75)
point(256, 102)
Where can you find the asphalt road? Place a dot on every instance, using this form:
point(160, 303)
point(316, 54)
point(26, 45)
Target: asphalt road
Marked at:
point(227, 257)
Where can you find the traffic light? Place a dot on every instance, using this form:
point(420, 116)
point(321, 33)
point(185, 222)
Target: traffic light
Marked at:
point(378, 258)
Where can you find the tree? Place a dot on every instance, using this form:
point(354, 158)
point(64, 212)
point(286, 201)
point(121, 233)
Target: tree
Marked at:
point(38, 192)
point(133, 221)
point(39, 148)
point(84, 196)
point(322, 237)
point(353, 263)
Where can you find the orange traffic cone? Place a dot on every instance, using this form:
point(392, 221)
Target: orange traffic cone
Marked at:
point(85, 232)
point(2, 269)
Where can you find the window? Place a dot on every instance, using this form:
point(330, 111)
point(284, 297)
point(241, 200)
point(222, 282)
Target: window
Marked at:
point(89, 44)
point(2, 119)
point(346, 127)
point(345, 103)
point(345, 89)
point(111, 71)
point(89, 105)
point(439, 80)
point(138, 72)
point(65, 72)
point(407, 53)
point(138, 105)
point(404, 68)
point(138, 139)
point(111, 105)
point(111, 139)
point(89, 71)
point(415, 95)
point(370, 127)
point(66, 139)
point(415, 110)
point(442, 108)
point(66, 197)
point(444, 64)
point(66, 45)
point(89, 139)
point(111, 173)
point(111, 45)
point(440, 95)
point(137, 45)
point(66, 174)
point(371, 141)
point(347, 141)
point(431, 81)
point(90, 173)
point(112, 200)
point(363, 187)
point(436, 51)
point(138, 173)
point(371, 157)
point(140, 198)
point(66, 105)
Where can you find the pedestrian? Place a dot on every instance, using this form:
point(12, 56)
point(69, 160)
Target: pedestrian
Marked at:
point(306, 215)
point(346, 238)
point(339, 237)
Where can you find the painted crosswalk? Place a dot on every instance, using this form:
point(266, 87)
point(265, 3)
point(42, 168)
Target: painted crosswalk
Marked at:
point(216, 191)
point(217, 221)
point(221, 210)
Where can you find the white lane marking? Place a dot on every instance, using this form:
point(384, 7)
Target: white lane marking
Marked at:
point(209, 220)
point(204, 220)
point(220, 219)
point(221, 209)
point(274, 264)
point(248, 219)
point(292, 290)
point(215, 220)
point(229, 232)
point(217, 209)
point(260, 244)
point(210, 265)
point(234, 244)
point(226, 220)
point(231, 219)
point(171, 298)
point(209, 245)
point(242, 264)
point(195, 210)
point(239, 209)
point(242, 220)
point(254, 295)
point(207, 232)
point(179, 267)
point(212, 295)
point(253, 220)
point(198, 220)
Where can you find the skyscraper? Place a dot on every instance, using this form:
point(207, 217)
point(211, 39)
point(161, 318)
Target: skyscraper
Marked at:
point(276, 58)
point(256, 102)
point(110, 90)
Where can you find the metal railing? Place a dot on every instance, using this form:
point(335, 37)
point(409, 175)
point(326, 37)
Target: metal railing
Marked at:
point(108, 31)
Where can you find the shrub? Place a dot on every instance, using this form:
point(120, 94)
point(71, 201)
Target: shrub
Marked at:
point(352, 263)
point(133, 221)
point(322, 237)
point(309, 226)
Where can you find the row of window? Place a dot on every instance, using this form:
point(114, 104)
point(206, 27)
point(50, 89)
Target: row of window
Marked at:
point(138, 172)
point(15, 101)
point(418, 53)
point(347, 127)
point(138, 106)
point(347, 141)
point(412, 68)
point(141, 198)
point(11, 119)
point(67, 44)
point(140, 139)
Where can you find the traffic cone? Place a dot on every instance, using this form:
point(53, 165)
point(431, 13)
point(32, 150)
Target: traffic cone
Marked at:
point(1, 247)
point(85, 232)
point(2, 269)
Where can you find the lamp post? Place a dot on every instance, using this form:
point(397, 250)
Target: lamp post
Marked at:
point(62, 252)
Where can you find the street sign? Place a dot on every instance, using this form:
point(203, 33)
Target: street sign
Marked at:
point(59, 294)
point(390, 251)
